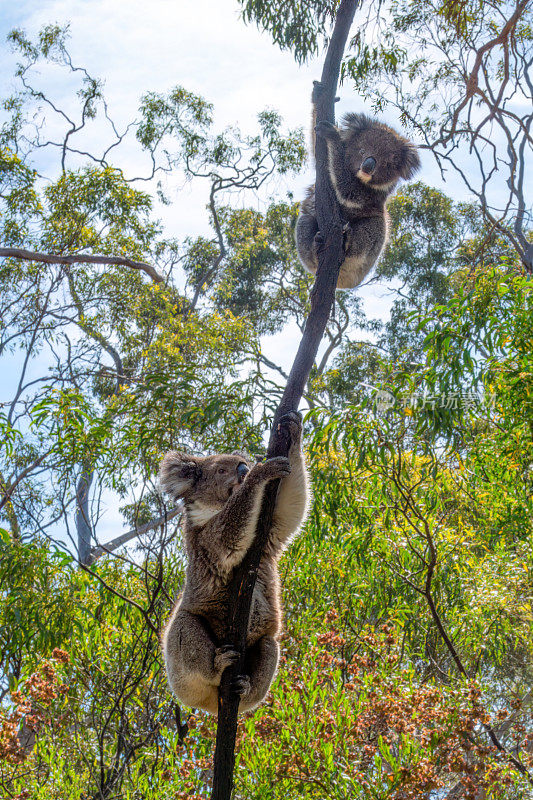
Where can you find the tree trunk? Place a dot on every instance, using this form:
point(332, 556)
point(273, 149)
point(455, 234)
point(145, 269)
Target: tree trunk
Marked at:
point(83, 525)
point(331, 256)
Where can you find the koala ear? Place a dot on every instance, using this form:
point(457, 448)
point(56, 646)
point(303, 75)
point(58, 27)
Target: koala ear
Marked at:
point(354, 124)
point(178, 473)
point(411, 161)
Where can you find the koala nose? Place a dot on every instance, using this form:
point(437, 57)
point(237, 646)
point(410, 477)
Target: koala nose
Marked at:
point(369, 165)
point(242, 471)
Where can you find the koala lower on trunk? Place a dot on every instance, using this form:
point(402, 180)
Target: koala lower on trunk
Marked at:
point(222, 495)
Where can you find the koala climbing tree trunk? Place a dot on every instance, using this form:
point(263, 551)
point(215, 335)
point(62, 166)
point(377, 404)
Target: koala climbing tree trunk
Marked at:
point(330, 258)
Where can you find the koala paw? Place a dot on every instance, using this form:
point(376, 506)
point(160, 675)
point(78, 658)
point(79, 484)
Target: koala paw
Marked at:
point(318, 241)
point(292, 421)
point(326, 130)
point(241, 685)
point(277, 467)
point(269, 470)
point(225, 656)
point(318, 88)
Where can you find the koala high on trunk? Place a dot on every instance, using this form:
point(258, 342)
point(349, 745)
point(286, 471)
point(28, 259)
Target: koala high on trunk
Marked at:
point(222, 496)
point(366, 160)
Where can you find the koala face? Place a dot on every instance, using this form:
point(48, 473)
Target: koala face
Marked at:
point(220, 476)
point(376, 154)
point(208, 480)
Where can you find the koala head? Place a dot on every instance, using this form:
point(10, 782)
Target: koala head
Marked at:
point(376, 154)
point(204, 483)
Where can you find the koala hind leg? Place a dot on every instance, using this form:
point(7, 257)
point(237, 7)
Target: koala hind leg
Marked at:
point(306, 231)
point(260, 666)
point(193, 662)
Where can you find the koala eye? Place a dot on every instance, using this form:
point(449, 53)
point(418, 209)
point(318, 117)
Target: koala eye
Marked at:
point(222, 471)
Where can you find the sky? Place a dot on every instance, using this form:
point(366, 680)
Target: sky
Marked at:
point(204, 46)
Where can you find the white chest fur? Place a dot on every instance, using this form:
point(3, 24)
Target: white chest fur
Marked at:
point(200, 513)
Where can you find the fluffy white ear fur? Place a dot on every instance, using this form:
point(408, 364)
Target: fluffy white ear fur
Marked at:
point(178, 473)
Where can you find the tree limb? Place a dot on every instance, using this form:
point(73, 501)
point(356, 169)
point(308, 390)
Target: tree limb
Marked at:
point(80, 258)
point(114, 544)
point(209, 272)
point(83, 516)
point(331, 256)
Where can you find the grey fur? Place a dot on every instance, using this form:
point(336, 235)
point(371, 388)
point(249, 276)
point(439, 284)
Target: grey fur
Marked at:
point(362, 196)
point(221, 512)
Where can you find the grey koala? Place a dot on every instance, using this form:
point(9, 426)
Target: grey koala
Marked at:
point(222, 496)
point(366, 160)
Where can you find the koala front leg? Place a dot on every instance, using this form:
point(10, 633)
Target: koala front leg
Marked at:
point(339, 175)
point(293, 494)
point(328, 131)
point(229, 535)
point(318, 88)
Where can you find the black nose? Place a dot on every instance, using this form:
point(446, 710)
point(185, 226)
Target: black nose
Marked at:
point(369, 165)
point(242, 470)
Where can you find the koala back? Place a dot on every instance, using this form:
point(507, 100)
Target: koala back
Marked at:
point(205, 484)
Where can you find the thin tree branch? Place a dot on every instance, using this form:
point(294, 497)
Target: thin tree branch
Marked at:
point(11, 485)
point(114, 544)
point(427, 591)
point(209, 272)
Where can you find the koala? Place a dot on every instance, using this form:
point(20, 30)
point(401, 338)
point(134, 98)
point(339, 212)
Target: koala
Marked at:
point(366, 160)
point(222, 497)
